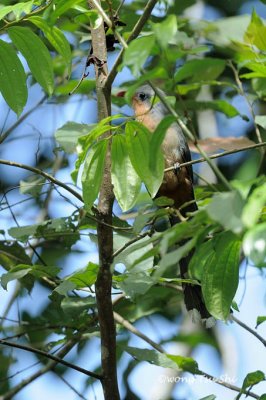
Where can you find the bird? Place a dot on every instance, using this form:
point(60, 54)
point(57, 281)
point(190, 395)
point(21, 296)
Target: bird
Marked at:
point(177, 184)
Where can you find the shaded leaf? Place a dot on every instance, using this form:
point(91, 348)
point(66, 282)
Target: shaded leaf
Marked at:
point(56, 38)
point(12, 78)
point(93, 173)
point(233, 203)
point(200, 70)
point(36, 55)
point(221, 275)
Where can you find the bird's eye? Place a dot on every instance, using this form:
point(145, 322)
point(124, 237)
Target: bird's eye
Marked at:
point(143, 96)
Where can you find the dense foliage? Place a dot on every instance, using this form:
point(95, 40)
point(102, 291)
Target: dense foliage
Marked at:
point(202, 66)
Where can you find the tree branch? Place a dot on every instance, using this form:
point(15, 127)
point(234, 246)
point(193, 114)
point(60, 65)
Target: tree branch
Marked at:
point(51, 357)
point(135, 32)
point(103, 284)
point(47, 176)
point(247, 328)
point(218, 155)
point(157, 347)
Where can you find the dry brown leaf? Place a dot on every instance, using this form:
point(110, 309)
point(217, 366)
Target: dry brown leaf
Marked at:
point(213, 145)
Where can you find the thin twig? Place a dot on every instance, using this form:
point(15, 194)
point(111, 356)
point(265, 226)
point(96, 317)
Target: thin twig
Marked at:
point(126, 324)
point(51, 357)
point(131, 241)
point(247, 328)
point(218, 155)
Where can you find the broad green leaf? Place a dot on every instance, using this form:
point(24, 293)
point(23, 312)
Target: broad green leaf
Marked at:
point(211, 397)
point(201, 70)
point(21, 270)
point(67, 136)
point(156, 154)
point(221, 274)
point(64, 287)
point(93, 173)
point(33, 185)
point(224, 30)
point(233, 203)
point(12, 78)
point(253, 378)
point(17, 9)
point(91, 16)
point(61, 7)
point(164, 360)
point(132, 253)
point(85, 277)
point(254, 245)
point(138, 144)
point(261, 120)
point(256, 32)
point(202, 255)
point(166, 30)
point(12, 254)
point(254, 205)
point(126, 182)
point(260, 320)
point(135, 283)
point(137, 53)
point(74, 306)
point(56, 38)
point(36, 55)
point(263, 397)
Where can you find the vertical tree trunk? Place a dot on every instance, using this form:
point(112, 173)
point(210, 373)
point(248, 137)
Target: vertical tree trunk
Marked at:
point(103, 284)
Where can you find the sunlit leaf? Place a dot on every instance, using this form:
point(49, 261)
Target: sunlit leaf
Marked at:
point(254, 245)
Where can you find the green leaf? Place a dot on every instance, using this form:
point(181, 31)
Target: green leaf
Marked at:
point(67, 136)
point(137, 53)
point(260, 320)
point(135, 283)
point(74, 306)
point(138, 143)
point(201, 70)
point(254, 205)
point(166, 30)
point(263, 397)
point(17, 9)
point(56, 38)
point(12, 254)
point(64, 287)
point(261, 120)
point(85, 277)
point(126, 182)
point(201, 257)
point(221, 274)
point(224, 30)
point(93, 172)
point(256, 32)
point(253, 378)
point(254, 245)
point(211, 397)
point(156, 164)
point(36, 55)
point(33, 185)
point(164, 360)
point(12, 78)
point(88, 16)
point(21, 270)
point(132, 253)
point(233, 203)
point(61, 7)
